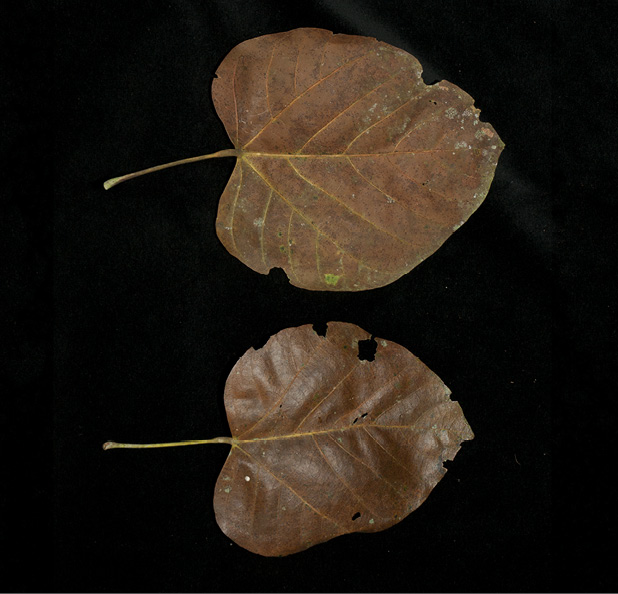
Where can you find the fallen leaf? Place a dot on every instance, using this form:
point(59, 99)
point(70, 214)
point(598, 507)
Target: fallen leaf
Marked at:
point(350, 169)
point(325, 443)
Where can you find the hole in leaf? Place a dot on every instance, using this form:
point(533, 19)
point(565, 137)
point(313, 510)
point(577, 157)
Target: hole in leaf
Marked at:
point(356, 516)
point(367, 349)
point(361, 417)
point(320, 328)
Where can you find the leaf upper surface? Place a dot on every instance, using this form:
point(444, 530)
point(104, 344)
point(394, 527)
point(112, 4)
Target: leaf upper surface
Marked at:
point(325, 443)
point(351, 170)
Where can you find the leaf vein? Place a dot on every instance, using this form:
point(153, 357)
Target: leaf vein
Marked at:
point(380, 121)
point(369, 468)
point(321, 80)
point(358, 498)
point(343, 379)
point(234, 95)
point(264, 226)
point(349, 107)
point(398, 462)
point(233, 213)
point(289, 246)
point(402, 204)
point(284, 393)
point(303, 216)
point(354, 212)
point(270, 113)
point(287, 486)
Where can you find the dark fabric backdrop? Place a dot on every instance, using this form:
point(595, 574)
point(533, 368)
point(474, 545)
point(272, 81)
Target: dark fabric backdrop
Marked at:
point(150, 312)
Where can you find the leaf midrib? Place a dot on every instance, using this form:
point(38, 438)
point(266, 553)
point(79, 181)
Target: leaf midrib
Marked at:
point(236, 442)
point(243, 154)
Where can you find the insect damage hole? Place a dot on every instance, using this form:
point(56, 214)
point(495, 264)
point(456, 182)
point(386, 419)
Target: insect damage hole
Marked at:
point(367, 349)
point(320, 328)
point(361, 417)
point(356, 516)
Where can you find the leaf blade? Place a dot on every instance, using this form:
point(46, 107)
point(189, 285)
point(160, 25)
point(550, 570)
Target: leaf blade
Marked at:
point(361, 103)
point(379, 430)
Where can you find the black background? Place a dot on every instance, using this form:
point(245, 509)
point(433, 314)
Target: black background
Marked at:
point(140, 313)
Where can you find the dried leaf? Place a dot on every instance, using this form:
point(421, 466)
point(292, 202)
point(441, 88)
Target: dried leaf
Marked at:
point(350, 170)
point(324, 443)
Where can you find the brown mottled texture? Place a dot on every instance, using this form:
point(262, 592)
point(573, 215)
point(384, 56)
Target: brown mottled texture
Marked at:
point(352, 169)
point(320, 436)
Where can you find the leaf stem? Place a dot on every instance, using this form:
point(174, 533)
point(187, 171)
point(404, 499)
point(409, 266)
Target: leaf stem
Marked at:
point(114, 181)
point(110, 445)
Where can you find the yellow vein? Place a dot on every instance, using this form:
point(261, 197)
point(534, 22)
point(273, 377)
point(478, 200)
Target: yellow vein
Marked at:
point(391, 455)
point(234, 95)
point(270, 113)
point(408, 132)
point(234, 205)
point(317, 257)
point(287, 486)
point(450, 171)
point(322, 58)
point(343, 379)
point(417, 389)
point(338, 155)
point(283, 395)
point(405, 174)
point(349, 107)
point(277, 507)
point(303, 216)
point(289, 248)
point(421, 386)
point(402, 204)
point(358, 498)
point(263, 226)
point(296, 68)
point(348, 63)
point(433, 150)
point(376, 393)
point(354, 212)
point(254, 486)
point(369, 468)
point(410, 428)
point(380, 121)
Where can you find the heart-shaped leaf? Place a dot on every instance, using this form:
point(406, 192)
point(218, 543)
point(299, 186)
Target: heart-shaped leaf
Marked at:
point(325, 443)
point(350, 169)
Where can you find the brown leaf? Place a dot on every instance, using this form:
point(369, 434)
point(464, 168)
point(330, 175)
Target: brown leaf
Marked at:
point(350, 170)
point(325, 443)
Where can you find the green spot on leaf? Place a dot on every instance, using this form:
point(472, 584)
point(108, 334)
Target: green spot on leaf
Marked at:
point(332, 279)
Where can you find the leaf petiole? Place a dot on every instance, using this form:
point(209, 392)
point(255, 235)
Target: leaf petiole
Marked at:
point(110, 445)
point(114, 181)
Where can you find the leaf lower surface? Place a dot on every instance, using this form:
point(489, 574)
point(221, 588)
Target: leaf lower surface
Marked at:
point(351, 170)
point(324, 443)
